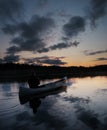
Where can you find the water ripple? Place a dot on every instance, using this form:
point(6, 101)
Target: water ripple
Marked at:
point(9, 111)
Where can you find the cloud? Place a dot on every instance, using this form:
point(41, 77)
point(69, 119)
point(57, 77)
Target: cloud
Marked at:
point(10, 10)
point(43, 50)
point(42, 3)
point(28, 36)
point(101, 59)
point(97, 9)
point(11, 59)
point(59, 46)
point(10, 29)
point(87, 52)
point(56, 62)
point(31, 28)
point(27, 44)
point(46, 60)
point(13, 50)
point(64, 45)
point(75, 25)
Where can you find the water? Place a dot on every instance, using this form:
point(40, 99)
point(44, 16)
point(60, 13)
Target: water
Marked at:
point(82, 107)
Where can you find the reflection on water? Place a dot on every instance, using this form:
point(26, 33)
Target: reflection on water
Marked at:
point(34, 104)
point(82, 107)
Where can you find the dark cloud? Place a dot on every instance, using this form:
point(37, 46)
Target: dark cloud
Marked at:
point(27, 44)
point(64, 45)
point(97, 9)
point(87, 52)
point(10, 29)
point(46, 60)
point(28, 36)
point(101, 59)
point(31, 28)
point(13, 50)
point(10, 10)
point(42, 3)
point(56, 62)
point(11, 59)
point(59, 46)
point(75, 25)
point(43, 50)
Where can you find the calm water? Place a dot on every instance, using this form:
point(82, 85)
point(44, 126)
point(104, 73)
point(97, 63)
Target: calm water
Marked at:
point(82, 107)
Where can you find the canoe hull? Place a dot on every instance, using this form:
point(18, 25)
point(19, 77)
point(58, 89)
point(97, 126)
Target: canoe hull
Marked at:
point(27, 94)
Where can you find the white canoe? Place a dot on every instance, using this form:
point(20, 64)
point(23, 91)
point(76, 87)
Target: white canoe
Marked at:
point(27, 94)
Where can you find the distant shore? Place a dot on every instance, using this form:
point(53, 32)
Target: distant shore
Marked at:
point(19, 72)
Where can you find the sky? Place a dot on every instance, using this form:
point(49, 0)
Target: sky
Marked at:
point(53, 32)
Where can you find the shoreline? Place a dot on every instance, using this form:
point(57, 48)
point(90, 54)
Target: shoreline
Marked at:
point(23, 76)
point(22, 72)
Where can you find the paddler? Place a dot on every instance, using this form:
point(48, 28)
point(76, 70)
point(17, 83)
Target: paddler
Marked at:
point(33, 80)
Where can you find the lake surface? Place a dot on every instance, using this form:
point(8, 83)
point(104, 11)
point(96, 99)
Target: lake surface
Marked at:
point(82, 107)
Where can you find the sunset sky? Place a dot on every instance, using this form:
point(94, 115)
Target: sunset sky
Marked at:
point(53, 32)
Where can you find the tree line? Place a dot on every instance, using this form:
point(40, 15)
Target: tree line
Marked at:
point(54, 71)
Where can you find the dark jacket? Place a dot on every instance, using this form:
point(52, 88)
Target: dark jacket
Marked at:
point(33, 82)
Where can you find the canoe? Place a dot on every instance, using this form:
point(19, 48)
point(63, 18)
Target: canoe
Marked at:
point(27, 94)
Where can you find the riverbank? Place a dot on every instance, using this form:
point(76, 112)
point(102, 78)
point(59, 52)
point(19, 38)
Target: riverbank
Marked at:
point(17, 72)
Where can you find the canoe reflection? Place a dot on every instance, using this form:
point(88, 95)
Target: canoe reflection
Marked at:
point(34, 104)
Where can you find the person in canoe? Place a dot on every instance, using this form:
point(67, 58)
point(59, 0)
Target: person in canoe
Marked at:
point(33, 83)
point(33, 80)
